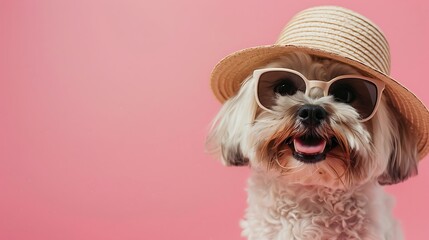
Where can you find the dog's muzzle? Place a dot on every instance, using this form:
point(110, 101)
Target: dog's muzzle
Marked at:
point(311, 148)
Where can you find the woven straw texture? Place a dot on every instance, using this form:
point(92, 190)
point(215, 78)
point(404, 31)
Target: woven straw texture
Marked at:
point(329, 32)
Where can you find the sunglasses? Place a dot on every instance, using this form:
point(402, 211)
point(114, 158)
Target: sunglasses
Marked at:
point(362, 93)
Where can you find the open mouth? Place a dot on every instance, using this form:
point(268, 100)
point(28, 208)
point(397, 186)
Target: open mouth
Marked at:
point(310, 148)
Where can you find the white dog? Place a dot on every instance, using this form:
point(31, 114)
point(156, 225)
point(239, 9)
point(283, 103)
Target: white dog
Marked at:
point(316, 164)
point(322, 126)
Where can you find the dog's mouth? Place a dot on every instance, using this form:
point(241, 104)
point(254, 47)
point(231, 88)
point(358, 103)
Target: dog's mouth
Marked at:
point(310, 148)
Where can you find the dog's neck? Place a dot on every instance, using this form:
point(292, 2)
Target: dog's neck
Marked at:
point(295, 211)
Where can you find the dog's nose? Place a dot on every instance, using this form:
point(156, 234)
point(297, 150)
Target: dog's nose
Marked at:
point(311, 115)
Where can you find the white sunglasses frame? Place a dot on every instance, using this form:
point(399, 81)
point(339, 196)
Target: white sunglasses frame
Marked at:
point(310, 83)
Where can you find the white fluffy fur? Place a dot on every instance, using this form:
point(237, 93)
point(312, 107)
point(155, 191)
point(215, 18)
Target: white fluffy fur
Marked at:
point(337, 198)
point(280, 210)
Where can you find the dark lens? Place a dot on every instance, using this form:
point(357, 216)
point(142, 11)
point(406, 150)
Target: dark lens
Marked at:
point(285, 87)
point(359, 93)
point(275, 84)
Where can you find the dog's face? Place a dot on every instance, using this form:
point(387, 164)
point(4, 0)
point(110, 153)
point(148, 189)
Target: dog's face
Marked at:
point(313, 137)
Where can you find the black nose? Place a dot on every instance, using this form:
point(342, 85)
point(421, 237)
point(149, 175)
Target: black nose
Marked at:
point(311, 115)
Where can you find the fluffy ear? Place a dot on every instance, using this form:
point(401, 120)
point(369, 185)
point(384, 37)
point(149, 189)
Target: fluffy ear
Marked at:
point(403, 159)
point(227, 137)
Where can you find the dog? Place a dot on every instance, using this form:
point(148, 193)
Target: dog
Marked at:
point(320, 143)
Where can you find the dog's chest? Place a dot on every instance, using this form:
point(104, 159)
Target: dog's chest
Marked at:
point(319, 217)
point(298, 212)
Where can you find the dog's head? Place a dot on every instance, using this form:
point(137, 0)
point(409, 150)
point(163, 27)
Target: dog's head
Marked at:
point(335, 133)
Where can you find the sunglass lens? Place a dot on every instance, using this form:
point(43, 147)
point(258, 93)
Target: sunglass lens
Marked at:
point(274, 84)
point(361, 94)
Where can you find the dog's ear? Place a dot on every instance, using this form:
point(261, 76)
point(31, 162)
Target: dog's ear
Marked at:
point(403, 160)
point(227, 139)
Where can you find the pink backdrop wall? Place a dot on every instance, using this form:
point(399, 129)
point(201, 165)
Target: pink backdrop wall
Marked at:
point(104, 108)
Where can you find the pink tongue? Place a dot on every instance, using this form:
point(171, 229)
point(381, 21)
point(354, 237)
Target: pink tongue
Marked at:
point(307, 149)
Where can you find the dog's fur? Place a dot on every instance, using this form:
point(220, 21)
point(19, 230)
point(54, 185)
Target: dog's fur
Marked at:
point(340, 197)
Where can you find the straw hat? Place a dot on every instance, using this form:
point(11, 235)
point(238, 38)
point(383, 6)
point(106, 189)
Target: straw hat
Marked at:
point(335, 33)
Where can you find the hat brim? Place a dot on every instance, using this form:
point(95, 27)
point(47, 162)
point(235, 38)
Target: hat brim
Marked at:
point(229, 74)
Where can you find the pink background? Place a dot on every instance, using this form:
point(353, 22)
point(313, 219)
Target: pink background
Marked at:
point(105, 106)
